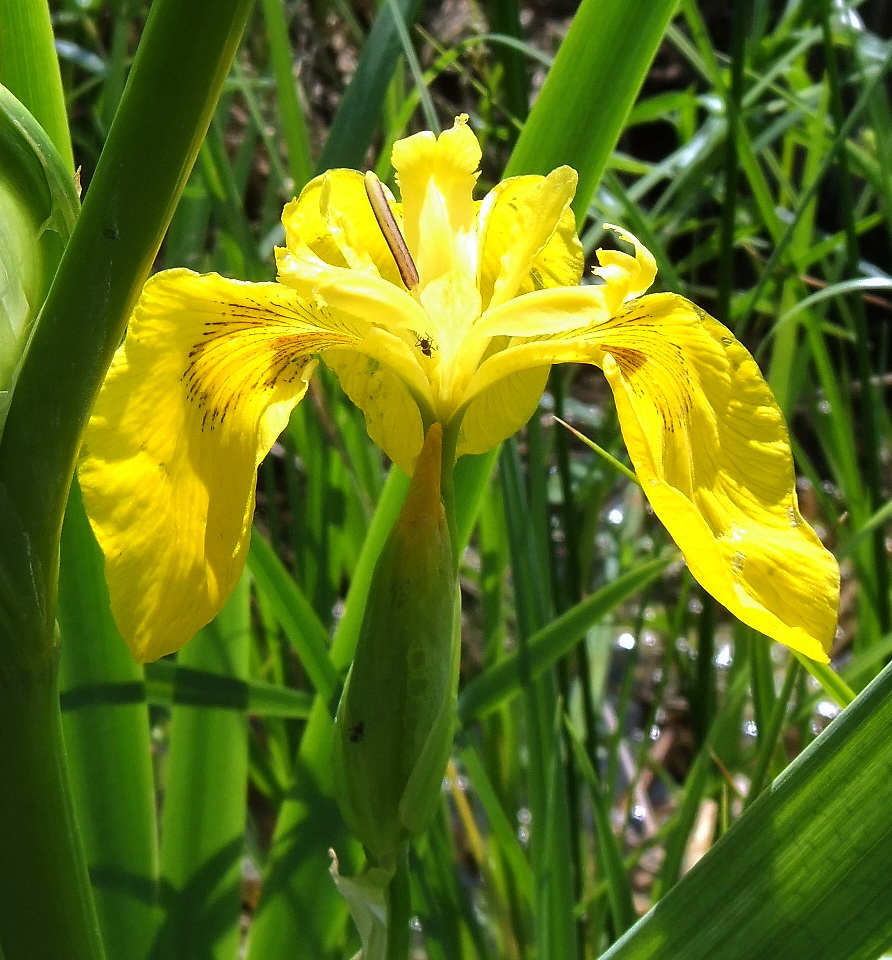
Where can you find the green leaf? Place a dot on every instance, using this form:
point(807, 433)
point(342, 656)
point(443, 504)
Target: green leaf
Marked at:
point(588, 93)
point(170, 683)
point(805, 871)
point(306, 634)
point(30, 69)
point(359, 110)
point(503, 680)
point(205, 796)
point(107, 747)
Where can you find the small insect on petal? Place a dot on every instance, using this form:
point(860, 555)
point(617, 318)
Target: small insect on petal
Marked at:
point(425, 344)
point(391, 231)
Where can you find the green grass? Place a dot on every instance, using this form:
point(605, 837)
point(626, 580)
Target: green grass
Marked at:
point(613, 721)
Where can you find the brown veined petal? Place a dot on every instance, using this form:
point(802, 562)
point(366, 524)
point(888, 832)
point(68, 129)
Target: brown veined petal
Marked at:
point(527, 237)
point(196, 396)
point(333, 220)
point(710, 446)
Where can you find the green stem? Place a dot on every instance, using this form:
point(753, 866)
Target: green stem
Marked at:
point(42, 912)
point(399, 908)
point(46, 908)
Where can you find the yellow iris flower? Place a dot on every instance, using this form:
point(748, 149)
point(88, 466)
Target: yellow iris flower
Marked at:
point(436, 309)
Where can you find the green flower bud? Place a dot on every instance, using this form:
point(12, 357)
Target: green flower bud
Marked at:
point(38, 207)
point(395, 719)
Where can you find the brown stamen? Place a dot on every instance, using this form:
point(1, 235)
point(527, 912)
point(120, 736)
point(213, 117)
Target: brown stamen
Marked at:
point(391, 231)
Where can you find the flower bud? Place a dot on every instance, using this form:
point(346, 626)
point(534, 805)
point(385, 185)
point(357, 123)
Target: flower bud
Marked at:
point(395, 719)
point(38, 208)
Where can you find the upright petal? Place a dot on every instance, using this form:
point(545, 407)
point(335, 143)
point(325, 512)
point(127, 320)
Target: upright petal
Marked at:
point(196, 396)
point(436, 176)
point(711, 449)
point(332, 222)
point(527, 237)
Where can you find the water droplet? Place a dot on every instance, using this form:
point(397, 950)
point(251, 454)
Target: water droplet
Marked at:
point(615, 516)
point(794, 520)
point(524, 816)
point(723, 656)
point(625, 641)
point(827, 709)
point(637, 814)
point(737, 561)
point(824, 407)
point(750, 729)
point(415, 925)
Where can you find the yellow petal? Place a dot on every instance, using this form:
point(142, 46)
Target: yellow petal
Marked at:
point(560, 313)
point(333, 221)
point(711, 449)
point(528, 236)
point(436, 176)
point(196, 396)
point(360, 294)
point(501, 410)
point(626, 276)
point(392, 414)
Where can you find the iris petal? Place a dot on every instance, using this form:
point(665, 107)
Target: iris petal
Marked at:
point(332, 221)
point(710, 446)
point(196, 396)
point(499, 411)
point(528, 236)
point(707, 440)
point(436, 176)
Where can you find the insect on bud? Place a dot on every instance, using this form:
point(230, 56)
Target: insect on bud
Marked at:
point(395, 719)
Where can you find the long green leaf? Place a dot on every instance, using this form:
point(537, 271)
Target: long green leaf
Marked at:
point(205, 796)
point(554, 641)
point(805, 872)
point(587, 96)
point(29, 68)
point(107, 747)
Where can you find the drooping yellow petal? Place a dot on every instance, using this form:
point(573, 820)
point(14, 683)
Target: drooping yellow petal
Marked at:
point(704, 433)
point(436, 176)
point(528, 237)
point(196, 396)
point(710, 446)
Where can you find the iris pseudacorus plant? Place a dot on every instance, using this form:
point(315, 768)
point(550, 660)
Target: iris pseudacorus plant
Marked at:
point(437, 309)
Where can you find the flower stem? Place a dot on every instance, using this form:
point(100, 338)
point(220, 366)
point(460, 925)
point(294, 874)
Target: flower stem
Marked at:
point(46, 909)
point(399, 908)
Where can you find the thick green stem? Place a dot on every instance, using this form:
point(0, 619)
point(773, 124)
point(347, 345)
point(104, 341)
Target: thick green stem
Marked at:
point(45, 909)
point(42, 913)
point(399, 908)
